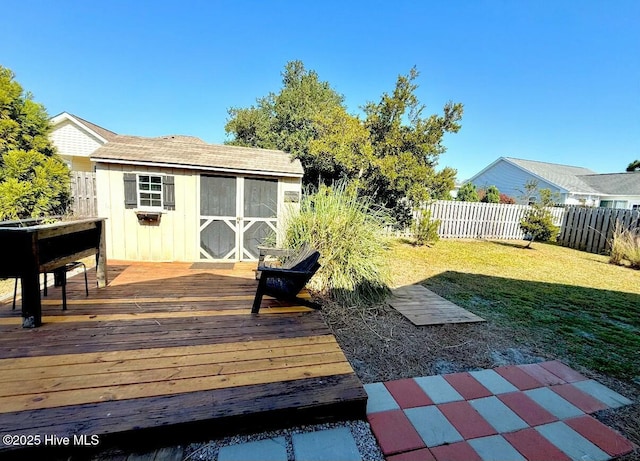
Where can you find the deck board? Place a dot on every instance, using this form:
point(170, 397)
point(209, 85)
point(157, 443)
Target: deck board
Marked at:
point(166, 346)
point(423, 307)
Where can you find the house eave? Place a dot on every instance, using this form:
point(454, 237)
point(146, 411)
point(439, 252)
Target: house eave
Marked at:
point(185, 166)
point(65, 116)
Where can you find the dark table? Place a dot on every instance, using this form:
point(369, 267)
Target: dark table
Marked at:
point(29, 247)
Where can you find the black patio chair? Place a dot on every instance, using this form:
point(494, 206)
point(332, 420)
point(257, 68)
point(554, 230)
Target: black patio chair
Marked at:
point(286, 281)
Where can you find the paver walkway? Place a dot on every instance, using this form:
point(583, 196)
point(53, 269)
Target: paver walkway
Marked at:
point(525, 412)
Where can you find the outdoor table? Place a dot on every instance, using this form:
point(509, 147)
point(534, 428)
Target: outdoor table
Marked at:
point(29, 247)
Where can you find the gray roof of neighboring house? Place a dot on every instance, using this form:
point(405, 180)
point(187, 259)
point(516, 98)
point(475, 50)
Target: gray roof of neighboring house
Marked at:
point(188, 151)
point(614, 183)
point(106, 134)
point(565, 176)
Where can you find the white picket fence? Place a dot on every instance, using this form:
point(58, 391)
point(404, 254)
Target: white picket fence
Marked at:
point(479, 220)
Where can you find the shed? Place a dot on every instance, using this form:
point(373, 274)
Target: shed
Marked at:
point(177, 198)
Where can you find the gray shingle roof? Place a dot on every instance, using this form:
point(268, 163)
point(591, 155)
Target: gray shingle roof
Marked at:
point(565, 176)
point(106, 134)
point(187, 151)
point(614, 183)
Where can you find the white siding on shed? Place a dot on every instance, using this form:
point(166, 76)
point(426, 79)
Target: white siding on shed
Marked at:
point(510, 180)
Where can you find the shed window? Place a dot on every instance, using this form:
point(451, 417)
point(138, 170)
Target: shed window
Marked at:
point(150, 191)
point(153, 191)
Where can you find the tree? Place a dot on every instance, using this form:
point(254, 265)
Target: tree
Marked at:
point(504, 198)
point(390, 156)
point(634, 166)
point(34, 181)
point(406, 145)
point(492, 195)
point(468, 193)
point(291, 120)
point(537, 222)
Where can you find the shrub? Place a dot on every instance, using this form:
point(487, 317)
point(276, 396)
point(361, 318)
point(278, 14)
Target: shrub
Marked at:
point(625, 246)
point(347, 230)
point(491, 195)
point(537, 222)
point(504, 198)
point(425, 231)
point(468, 193)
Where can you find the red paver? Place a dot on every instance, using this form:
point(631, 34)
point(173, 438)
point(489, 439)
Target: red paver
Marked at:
point(518, 378)
point(394, 432)
point(580, 399)
point(534, 446)
point(604, 437)
point(416, 455)
point(459, 451)
point(541, 374)
point(467, 421)
point(562, 371)
point(467, 386)
point(525, 407)
point(408, 394)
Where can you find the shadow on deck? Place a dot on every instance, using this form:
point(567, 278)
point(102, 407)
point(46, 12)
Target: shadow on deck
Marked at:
point(170, 353)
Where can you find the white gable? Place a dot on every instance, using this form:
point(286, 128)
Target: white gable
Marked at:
point(72, 140)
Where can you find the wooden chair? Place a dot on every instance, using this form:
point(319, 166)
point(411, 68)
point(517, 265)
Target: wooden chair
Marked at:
point(286, 281)
point(60, 277)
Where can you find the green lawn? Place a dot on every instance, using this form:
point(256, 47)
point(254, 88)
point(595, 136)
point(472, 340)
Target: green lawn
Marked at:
point(574, 304)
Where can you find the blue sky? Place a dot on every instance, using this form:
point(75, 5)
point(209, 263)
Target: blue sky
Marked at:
point(555, 81)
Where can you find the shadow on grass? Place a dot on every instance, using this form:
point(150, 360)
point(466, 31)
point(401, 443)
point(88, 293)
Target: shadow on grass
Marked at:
point(599, 329)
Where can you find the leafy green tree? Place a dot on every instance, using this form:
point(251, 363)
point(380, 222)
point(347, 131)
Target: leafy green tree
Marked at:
point(34, 182)
point(537, 222)
point(292, 120)
point(634, 166)
point(390, 156)
point(406, 145)
point(491, 195)
point(468, 193)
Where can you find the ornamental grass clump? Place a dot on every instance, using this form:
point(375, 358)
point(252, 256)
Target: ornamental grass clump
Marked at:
point(625, 246)
point(347, 231)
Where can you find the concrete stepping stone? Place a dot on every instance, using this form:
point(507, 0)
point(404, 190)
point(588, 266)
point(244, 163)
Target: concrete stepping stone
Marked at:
point(460, 451)
point(493, 381)
point(603, 393)
point(522, 405)
point(498, 414)
point(534, 446)
point(379, 398)
point(432, 426)
point(553, 403)
point(408, 394)
point(467, 386)
point(438, 389)
point(394, 432)
point(328, 445)
point(267, 450)
point(571, 443)
point(495, 448)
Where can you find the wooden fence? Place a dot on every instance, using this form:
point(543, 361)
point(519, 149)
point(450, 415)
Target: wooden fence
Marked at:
point(83, 193)
point(479, 220)
point(591, 229)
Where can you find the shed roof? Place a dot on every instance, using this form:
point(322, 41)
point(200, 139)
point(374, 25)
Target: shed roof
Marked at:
point(190, 152)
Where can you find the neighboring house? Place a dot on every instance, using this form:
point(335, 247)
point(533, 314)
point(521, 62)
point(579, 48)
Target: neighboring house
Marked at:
point(574, 185)
point(76, 139)
point(177, 198)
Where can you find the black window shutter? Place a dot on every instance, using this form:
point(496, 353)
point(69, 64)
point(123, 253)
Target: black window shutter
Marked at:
point(130, 190)
point(169, 193)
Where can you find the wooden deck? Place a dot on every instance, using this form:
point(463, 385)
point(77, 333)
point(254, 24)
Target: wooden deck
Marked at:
point(166, 350)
